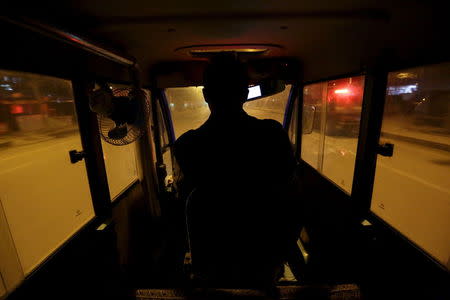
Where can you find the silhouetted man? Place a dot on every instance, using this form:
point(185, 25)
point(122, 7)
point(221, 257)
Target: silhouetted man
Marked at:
point(236, 172)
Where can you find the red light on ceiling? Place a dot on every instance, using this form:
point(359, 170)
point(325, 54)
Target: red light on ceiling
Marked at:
point(17, 109)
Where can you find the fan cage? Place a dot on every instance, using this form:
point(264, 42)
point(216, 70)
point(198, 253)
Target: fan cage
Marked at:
point(135, 130)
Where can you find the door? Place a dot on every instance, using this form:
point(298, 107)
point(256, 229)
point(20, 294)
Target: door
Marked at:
point(411, 189)
point(45, 197)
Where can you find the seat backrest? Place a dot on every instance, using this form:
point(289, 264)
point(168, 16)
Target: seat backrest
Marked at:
point(225, 243)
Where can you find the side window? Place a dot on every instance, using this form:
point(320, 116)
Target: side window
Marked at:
point(45, 197)
point(120, 161)
point(411, 189)
point(330, 121)
point(313, 124)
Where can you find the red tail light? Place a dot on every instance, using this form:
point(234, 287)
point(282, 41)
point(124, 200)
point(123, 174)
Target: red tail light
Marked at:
point(343, 91)
point(17, 109)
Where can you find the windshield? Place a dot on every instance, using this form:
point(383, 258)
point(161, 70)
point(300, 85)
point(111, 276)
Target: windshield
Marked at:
point(189, 109)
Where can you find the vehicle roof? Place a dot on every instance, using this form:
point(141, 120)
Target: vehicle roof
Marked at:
point(328, 37)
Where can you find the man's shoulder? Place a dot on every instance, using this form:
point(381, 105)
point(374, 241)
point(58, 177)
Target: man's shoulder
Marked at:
point(186, 138)
point(267, 124)
point(189, 140)
point(272, 124)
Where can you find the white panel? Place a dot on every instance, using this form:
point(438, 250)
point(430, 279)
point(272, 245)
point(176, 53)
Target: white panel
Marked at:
point(121, 167)
point(10, 268)
point(46, 198)
point(412, 194)
point(2, 288)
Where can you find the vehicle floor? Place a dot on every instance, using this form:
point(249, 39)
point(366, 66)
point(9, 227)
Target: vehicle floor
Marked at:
point(343, 292)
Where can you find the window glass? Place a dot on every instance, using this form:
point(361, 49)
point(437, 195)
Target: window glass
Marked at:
point(271, 107)
point(189, 109)
point(313, 118)
point(343, 115)
point(121, 167)
point(331, 117)
point(411, 189)
point(120, 161)
point(45, 197)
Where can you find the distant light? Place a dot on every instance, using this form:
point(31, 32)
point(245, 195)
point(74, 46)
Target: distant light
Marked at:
point(342, 91)
point(405, 75)
point(172, 104)
point(403, 89)
point(17, 109)
point(254, 91)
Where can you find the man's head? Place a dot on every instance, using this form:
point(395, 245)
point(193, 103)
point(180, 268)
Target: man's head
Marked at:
point(225, 84)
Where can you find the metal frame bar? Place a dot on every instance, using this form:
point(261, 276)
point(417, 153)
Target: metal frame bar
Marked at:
point(157, 137)
point(369, 133)
point(298, 150)
point(294, 102)
point(166, 112)
point(288, 109)
point(71, 39)
point(336, 77)
point(92, 146)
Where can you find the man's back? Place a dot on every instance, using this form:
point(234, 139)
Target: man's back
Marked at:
point(239, 210)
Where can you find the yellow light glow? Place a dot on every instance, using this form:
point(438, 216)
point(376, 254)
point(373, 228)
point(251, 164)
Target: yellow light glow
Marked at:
point(404, 75)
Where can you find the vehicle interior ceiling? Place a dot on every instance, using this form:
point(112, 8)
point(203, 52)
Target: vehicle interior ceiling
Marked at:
point(316, 39)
